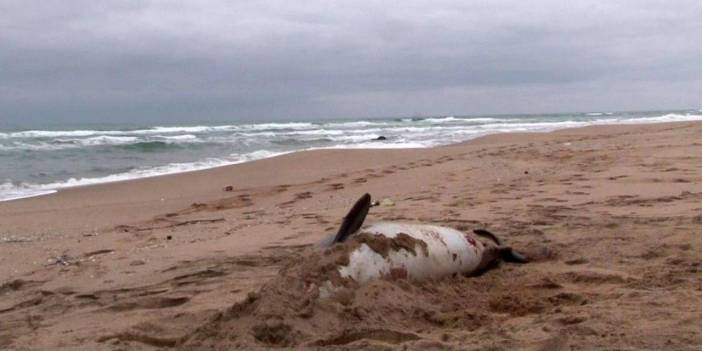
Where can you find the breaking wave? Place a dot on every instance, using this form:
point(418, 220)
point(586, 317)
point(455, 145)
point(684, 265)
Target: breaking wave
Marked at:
point(42, 161)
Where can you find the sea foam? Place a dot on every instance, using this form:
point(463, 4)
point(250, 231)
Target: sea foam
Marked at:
point(11, 191)
point(42, 161)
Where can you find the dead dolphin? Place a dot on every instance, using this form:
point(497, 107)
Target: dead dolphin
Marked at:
point(413, 251)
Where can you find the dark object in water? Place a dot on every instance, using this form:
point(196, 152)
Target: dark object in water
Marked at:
point(381, 138)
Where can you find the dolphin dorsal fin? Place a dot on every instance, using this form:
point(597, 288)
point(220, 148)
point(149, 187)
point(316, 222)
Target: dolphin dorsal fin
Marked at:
point(354, 219)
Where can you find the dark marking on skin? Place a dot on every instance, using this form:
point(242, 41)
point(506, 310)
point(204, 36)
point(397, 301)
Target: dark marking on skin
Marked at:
point(454, 257)
point(470, 239)
point(435, 236)
point(383, 245)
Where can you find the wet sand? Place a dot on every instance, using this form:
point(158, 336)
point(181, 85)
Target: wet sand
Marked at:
point(610, 215)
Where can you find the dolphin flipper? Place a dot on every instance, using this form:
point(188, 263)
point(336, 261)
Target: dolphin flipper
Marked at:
point(486, 234)
point(353, 220)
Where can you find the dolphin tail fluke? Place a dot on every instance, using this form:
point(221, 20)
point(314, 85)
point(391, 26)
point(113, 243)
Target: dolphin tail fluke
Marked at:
point(354, 219)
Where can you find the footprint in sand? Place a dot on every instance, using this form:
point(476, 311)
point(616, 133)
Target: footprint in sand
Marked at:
point(149, 303)
point(298, 197)
point(336, 186)
point(282, 188)
point(303, 195)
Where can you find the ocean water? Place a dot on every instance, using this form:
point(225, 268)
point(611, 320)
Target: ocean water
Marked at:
point(40, 161)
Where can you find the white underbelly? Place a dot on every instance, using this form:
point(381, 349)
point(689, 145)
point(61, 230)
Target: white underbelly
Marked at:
point(447, 251)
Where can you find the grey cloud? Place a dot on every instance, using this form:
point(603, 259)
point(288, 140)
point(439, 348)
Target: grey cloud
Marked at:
point(219, 60)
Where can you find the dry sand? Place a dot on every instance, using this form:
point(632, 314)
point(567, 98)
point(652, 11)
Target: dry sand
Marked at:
point(611, 216)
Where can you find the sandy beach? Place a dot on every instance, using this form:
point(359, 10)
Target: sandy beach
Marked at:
point(611, 217)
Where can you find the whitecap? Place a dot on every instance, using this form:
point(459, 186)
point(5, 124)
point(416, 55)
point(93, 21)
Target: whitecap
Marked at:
point(354, 124)
point(12, 191)
point(359, 134)
point(480, 119)
point(440, 119)
point(188, 138)
point(289, 125)
point(105, 140)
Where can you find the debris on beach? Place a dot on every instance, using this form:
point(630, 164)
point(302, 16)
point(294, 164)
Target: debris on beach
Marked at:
point(14, 239)
point(387, 203)
point(63, 260)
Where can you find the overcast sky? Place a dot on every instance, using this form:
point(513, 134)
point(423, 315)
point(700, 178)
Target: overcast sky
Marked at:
point(127, 61)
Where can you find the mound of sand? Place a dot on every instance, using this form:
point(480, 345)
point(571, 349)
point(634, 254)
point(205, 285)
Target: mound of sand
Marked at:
point(289, 312)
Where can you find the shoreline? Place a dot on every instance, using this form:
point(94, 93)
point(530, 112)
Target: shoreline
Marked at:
point(610, 216)
point(157, 191)
point(56, 190)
